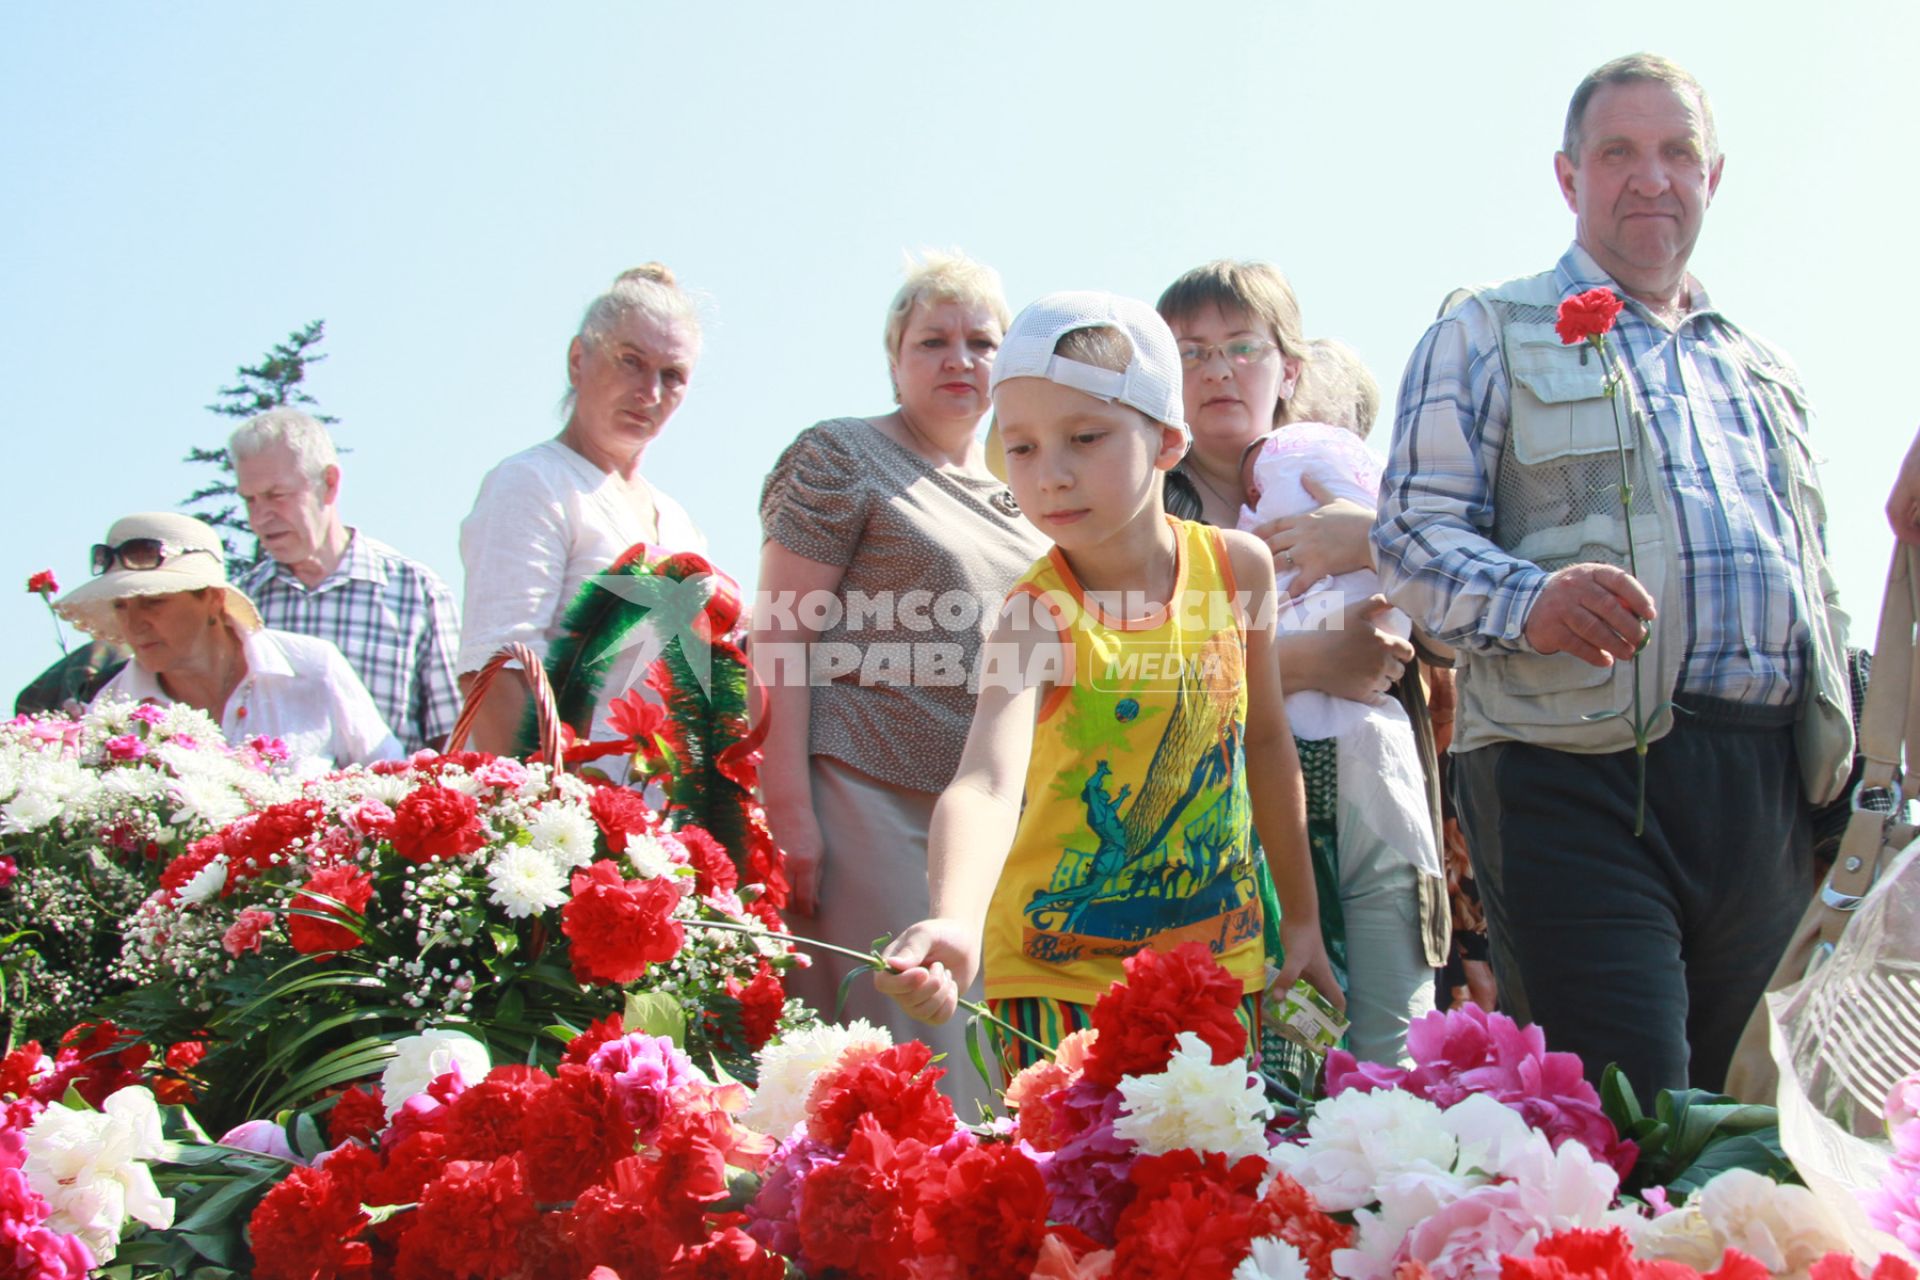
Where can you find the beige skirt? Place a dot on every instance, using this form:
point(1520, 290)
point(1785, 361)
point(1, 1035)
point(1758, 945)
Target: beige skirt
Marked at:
point(873, 884)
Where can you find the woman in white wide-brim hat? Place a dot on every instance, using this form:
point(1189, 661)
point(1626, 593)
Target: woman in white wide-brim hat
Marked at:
point(160, 588)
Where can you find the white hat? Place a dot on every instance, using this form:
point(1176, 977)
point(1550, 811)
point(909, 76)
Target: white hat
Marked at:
point(1152, 380)
point(192, 559)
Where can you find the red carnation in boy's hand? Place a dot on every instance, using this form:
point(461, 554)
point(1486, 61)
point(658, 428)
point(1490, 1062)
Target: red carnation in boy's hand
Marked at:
point(347, 885)
point(1165, 993)
point(43, 583)
point(435, 822)
point(1586, 315)
point(618, 927)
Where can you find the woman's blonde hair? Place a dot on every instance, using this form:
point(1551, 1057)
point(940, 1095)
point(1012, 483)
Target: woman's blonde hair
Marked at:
point(1257, 288)
point(935, 277)
point(648, 289)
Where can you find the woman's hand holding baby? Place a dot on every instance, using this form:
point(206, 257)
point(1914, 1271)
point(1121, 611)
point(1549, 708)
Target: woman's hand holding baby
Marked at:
point(1330, 539)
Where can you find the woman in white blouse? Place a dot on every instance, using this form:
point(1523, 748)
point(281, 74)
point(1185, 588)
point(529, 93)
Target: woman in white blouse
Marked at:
point(160, 588)
point(552, 516)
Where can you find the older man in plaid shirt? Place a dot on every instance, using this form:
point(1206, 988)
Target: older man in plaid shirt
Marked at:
point(392, 617)
point(1636, 906)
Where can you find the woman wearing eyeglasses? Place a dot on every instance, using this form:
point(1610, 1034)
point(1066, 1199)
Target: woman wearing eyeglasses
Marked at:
point(1244, 359)
point(160, 588)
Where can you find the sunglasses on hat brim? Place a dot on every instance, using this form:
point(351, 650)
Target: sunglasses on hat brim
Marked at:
point(139, 553)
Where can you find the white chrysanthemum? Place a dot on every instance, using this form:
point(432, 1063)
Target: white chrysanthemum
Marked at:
point(526, 881)
point(465, 783)
point(1786, 1228)
point(790, 1065)
point(1357, 1140)
point(1194, 1104)
point(206, 882)
point(571, 786)
point(564, 833)
point(9, 772)
point(420, 1060)
point(656, 855)
point(206, 800)
point(1271, 1259)
point(133, 784)
point(29, 811)
point(86, 1166)
point(388, 788)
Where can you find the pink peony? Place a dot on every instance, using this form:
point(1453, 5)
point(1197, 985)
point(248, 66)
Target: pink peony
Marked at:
point(1894, 1205)
point(1903, 1103)
point(1464, 1239)
point(1467, 1051)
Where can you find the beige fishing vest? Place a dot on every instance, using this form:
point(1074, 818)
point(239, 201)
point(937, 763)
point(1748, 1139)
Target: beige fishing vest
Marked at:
point(1557, 502)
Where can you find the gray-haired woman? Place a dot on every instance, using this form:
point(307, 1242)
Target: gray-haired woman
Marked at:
point(550, 517)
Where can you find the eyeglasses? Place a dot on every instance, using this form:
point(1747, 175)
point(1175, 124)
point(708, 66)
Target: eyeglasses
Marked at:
point(139, 553)
point(1241, 352)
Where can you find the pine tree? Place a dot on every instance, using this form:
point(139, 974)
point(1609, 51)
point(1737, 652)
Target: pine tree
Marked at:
point(272, 384)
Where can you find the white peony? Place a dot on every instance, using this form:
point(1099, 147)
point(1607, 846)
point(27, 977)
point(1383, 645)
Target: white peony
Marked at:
point(1684, 1236)
point(790, 1065)
point(1194, 1104)
point(1271, 1259)
point(526, 881)
point(1493, 1139)
point(1786, 1228)
point(1358, 1140)
point(86, 1166)
point(420, 1060)
point(563, 833)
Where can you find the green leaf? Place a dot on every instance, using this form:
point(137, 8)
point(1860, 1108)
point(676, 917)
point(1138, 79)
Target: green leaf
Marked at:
point(655, 1014)
point(1759, 1152)
point(216, 1208)
point(505, 940)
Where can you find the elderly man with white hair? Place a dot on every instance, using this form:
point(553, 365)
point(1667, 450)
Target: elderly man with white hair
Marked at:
point(392, 617)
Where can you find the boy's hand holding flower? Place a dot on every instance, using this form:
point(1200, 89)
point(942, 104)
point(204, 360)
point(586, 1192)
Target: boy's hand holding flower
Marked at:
point(933, 961)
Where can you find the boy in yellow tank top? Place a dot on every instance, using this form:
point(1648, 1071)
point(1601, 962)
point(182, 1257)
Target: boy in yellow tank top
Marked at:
point(1130, 719)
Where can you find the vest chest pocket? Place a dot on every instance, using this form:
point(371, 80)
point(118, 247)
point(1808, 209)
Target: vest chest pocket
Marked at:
point(1557, 494)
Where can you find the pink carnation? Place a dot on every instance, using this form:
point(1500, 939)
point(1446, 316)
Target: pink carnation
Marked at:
point(149, 713)
point(8, 870)
point(27, 1246)
point(266, 748)
point(506, 773)
point(125, 747)
point(243, 935)
point(371, 819)
point(1467, 1050)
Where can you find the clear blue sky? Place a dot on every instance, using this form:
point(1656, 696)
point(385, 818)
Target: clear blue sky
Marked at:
point(447, 185)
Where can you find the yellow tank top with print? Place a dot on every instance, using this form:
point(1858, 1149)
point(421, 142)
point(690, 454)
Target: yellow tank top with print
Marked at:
point(1136, 829)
